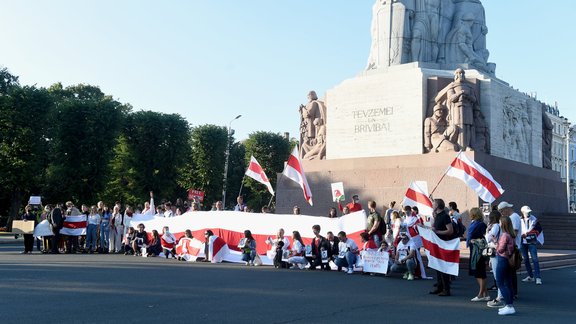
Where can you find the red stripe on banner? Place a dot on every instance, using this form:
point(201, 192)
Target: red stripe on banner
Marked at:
point(256, 168)
point(481, 178)
point(440, 253)
point(418, 197)
point(75, 225)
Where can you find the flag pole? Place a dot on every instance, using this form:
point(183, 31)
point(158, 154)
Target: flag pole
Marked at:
point(270, 202)
point(241, 185)
point(444, 175)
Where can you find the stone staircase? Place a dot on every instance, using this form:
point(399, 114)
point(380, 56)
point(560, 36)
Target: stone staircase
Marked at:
point(559, 231)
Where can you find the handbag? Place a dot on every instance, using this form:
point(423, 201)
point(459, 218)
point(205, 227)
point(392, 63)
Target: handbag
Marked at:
point(515, 259)
point(531, 238)
point(489, 252)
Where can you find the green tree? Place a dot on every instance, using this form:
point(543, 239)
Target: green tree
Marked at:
point(149, 156)
point(271, 150)
point(23, 142)
point(84, 128)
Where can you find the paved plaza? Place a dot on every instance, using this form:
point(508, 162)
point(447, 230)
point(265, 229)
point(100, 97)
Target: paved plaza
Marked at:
point(125, 289)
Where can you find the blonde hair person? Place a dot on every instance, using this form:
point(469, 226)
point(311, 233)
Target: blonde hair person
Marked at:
point(476, 242)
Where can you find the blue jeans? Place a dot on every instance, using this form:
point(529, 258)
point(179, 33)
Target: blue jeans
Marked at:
point(248, 256)
point(409, 266)
point(504, 279)
point(104, 236)
point(91, 236)
point(494, 264)
point(377, 239)
point(533, 249)
point(346, 262)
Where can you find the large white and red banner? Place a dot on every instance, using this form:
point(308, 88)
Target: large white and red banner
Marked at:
point(443, 256)
point(230, 227)
point(295, 172)
point(476, 177)
point(417, 196)
point(256, 172)
point(74, 225)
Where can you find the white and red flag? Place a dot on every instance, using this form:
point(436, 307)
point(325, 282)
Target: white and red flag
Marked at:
point(417, 196)
point(217, 249)
point(295, 172)
point(74, 225)
point(476, 177)
point(189, 249)
point(443, 256)
point(256, 172)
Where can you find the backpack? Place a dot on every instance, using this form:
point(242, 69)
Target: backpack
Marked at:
point(458, 229)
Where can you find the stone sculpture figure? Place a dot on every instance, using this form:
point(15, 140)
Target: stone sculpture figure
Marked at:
point(460, 43)
point(547, 128)
point(425, 47)
point(312, 128)
point(439, 136)
point(461, 99)
point(482, 133)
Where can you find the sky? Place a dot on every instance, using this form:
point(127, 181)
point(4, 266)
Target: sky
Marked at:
point(210, 61)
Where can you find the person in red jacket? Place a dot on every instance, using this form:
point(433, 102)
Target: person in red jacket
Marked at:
point(353, 206)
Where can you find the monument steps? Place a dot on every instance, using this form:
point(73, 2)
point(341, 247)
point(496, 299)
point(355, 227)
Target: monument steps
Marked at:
point(559, 231)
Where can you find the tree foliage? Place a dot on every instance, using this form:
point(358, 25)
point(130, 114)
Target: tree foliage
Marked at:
point(271, 150)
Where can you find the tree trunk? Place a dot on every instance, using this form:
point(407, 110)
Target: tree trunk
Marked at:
point(15, 203)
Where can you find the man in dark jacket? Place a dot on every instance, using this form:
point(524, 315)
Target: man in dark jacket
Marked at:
point(320, 245)
point(443, 228)
point(56, 221)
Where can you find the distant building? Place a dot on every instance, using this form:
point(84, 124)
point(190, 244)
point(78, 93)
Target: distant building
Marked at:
point(561, 128)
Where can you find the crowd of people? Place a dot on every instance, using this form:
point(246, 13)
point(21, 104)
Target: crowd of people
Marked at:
point(492, 239)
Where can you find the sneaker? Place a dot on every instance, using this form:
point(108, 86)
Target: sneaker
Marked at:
point(247, 263)
point(410, 277)
point(350, 271)
point(538, 281)
point(495, 303)
point(478, 299)
point(405, 276)
point(507, 310)
point(528, 279)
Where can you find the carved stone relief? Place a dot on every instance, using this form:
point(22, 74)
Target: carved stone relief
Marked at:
point(313, 128)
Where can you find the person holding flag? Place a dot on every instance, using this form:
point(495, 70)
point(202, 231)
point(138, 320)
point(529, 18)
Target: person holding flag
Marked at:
point(443, 228)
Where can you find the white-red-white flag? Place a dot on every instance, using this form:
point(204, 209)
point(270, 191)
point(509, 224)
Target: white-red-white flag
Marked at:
point(256, 172)
point(189, 249)
point(443, 256)
point(295, 172)
point(417, 196)
point(476, 177)
point(217, 249)
point(74, 225)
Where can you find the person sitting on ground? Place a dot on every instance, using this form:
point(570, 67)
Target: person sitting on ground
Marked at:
point(278, 245)
point(347, 253)
point(320, 249)
point(405, 260)
point(476, 242)
point(385, 247)
point(249, 248)
point(168, 242)
point(297, 259)
point(207, 235)
point(140, 240)
point(155, 247)
point(334, 241)
point(367, 242)
point(128, 241)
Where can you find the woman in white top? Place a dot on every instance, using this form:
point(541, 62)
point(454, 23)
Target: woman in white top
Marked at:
point(297, 258)
point(277, 247)
point(116, 230)
point(492, 236)
point(92, 229)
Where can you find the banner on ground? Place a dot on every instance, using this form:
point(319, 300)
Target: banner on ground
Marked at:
point(230, 226)
point(375, 261)
point(443, 256)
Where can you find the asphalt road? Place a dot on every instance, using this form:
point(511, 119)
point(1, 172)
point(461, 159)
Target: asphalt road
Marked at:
point(125, 289)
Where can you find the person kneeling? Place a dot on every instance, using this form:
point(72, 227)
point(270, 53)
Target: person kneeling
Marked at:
point(405, 260)
point(140, 240)
point(347, 253)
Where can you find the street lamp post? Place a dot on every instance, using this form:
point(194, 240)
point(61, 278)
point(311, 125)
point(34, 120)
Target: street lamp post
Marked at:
point(567, 138)
point(226, 162)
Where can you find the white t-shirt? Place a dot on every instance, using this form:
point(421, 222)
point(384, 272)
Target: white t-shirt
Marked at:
point(344, 247)
point(403, 250)
point(297, 247)
point(493, 234)
point(517, 225)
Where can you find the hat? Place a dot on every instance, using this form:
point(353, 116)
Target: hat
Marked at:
point(355, 197)
point(503, 205)
point(525, 209)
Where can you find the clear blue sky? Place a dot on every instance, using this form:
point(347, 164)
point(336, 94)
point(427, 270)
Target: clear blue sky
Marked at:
point(212, 60)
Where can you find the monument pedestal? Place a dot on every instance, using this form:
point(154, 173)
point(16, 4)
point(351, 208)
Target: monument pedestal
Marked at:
point(384, 179)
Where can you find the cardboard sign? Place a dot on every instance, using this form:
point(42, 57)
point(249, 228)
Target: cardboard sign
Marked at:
point(22, 227)
point(195, 195)
point(338, 191)
point(35, 200)
point(375, 261)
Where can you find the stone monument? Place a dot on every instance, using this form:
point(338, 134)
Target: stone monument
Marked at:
point(428, 91)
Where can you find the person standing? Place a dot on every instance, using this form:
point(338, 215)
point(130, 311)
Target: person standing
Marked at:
point(28, 216)
point(529, 244)
point(504, 273)
point(443, 228)
point(373, 223)
point(476, 242)
point(104, 228)
point(353, 206)
point(116, 230)
point(92, 229)
point(240, 205)
point(56, 221)
point(505, 209)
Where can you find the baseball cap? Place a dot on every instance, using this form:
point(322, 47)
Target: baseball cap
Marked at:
point(525, 209)
point(504, 204)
